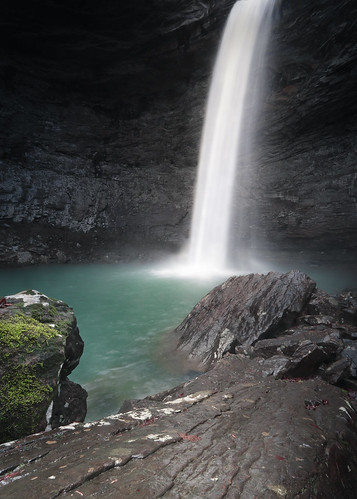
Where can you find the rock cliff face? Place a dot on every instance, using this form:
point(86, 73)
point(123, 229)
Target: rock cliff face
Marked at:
point(308, 135)
point(102, 109)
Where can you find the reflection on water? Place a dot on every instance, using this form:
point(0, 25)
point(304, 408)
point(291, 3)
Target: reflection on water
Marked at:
point(125, 314)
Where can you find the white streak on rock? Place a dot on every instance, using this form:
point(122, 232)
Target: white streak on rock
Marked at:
point(30, 299)
point(192, 398)
point(169, 410)
point(140, 415)
point(159, 437)
point(71, 426)
point(49, 416)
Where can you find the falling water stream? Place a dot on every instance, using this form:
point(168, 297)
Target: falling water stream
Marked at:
point(226, 130)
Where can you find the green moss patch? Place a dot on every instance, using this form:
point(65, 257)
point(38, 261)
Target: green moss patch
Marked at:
point(23, 399)
point(25, 393)
point(24, 332)
point(43, 313)
point(33, 336)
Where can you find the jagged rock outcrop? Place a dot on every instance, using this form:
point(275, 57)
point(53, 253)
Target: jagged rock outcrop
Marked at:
point(40, 347)
point(294, 329)
point(100, 135)
point(241, 311)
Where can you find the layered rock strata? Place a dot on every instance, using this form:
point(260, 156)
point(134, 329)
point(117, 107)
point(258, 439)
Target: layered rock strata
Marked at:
point(231, 432)
point(293, 328)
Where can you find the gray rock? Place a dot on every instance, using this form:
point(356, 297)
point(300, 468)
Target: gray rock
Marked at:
point(241, 311)
point(322, 304)
point(350, 352)
point(70, 404)
point(304, 362)
point(274, 365)
point(327, 339)
point(348, 304)
point(337, 371)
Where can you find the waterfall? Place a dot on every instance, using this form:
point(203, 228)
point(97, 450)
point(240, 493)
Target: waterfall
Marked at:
point(226, 131)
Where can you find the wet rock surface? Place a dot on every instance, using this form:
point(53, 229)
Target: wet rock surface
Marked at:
point(40, 347)
point(229, 433)
point(309, 129)
point(96, 145)
point(280, 319)
point(241, 311)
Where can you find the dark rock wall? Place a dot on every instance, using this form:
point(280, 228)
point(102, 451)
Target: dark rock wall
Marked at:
point(307, 155)
point(101, 115)
point(102, 111)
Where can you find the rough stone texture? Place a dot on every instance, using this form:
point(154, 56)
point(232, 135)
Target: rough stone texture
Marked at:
point(96, 146)
point(101, 115)
point(322, 304)
point(308, 133)
point(241, 311)
point(35, 363)
point(348, 304)
point(328, 339)
point(277, 318)
point(228, 433)
point(69, 405)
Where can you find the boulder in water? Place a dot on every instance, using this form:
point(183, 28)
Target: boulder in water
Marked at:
point(40, 345)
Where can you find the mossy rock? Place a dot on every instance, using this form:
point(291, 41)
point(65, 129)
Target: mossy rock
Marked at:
point(36, 340)
point(23, 398)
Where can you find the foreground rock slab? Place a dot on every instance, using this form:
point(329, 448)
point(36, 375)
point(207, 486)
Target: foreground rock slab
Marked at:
point(231, 433)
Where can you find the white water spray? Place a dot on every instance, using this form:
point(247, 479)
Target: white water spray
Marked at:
point(225, 132)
